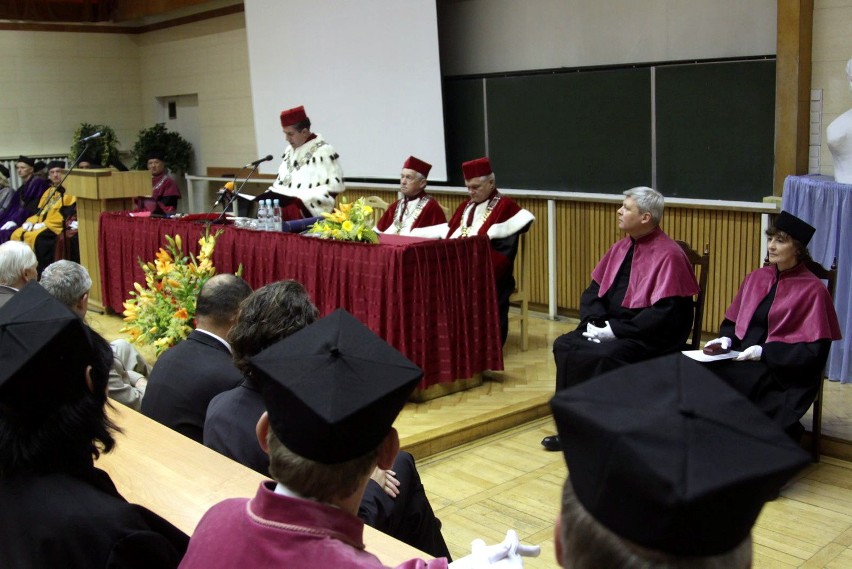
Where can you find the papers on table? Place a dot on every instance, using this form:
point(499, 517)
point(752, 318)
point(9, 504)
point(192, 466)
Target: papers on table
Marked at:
point(700, 356)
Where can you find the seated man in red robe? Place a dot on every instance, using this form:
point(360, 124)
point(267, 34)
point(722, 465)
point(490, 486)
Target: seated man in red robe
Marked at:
point(638, 305)
point(488, 212)
point(416, 208)
point(164, 191)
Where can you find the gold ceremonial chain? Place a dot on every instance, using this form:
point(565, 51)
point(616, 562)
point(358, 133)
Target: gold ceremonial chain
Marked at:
point(465, 229)
point(289, 160)
point(421, 202)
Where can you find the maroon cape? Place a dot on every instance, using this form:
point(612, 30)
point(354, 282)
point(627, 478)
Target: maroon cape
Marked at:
point(802, 310)
point(430, 214)
point(660, 270)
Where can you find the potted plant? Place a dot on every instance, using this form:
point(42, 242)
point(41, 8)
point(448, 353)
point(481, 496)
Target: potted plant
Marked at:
point(177, 150)
point(103, 150)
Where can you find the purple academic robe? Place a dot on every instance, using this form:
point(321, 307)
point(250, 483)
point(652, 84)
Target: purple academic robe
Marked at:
point(273, 530)
point(22, 204)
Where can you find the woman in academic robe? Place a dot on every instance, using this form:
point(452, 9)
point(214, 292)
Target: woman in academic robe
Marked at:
point(782, 322)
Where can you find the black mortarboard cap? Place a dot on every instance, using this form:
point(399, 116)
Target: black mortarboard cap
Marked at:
point(42, 345)
point(26, 160)
point(55, 164)
point(155, 154)
point(664, 454)
point(334, 388)
point(796, 228)
point(5, 171)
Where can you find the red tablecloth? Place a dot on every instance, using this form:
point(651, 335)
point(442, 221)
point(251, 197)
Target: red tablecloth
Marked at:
point(434, 301)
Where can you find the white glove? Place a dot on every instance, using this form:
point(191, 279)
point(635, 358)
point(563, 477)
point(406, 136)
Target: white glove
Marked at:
point(73, 225)
point(507, 554)
point(750, 353)
point(37, 226)
point(724, 341)
point(8, 225)
point(598, 335)
point(27, 226)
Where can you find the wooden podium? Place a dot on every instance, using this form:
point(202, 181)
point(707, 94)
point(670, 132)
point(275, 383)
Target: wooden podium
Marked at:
point(100, 190)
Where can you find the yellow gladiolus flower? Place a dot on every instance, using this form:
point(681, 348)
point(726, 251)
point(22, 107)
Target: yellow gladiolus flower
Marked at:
point(347, 225)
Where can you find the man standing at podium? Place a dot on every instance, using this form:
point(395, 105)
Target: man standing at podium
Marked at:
point(416, 208)
point(310, 176)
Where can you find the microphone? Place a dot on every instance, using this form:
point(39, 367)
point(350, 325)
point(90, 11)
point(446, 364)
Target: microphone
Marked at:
point(259, 161)
point(90, 137)
point(226, 190)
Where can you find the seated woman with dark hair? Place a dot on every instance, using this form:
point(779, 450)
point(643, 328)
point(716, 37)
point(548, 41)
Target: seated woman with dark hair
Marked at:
point(58, 509)
point(783, 322)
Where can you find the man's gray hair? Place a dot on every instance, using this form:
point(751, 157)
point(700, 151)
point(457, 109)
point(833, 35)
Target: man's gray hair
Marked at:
point(66, 281)
point(587, 544)
point(649, 200)
point(15, 258)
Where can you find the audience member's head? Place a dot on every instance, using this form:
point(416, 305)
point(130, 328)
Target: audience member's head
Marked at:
point(668, 467)
point(53, 378)
point(412, 179)
point(648, 200)
point(4, 176)
point(296, 126)
point(332, 392)
point(479, 179)
point(218, 303)
point(267, 315)
point(18, 264)
point(69, 283)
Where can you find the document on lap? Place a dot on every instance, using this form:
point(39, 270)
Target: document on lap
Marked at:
point(700, 356)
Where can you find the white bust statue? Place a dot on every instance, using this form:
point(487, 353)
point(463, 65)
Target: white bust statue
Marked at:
point(839, 135)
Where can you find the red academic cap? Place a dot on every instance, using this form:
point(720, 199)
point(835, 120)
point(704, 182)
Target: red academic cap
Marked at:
point(417, 165)
point(293, 116)
point(476, 168)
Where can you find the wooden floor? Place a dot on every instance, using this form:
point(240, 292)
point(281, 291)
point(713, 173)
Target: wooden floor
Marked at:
point(484, 470)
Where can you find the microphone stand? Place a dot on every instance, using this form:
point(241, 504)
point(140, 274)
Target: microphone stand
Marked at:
point(235, 195)
point(233, 183)
point(61, 189)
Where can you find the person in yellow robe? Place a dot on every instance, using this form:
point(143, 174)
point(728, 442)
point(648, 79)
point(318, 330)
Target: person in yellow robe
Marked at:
point(39, 231)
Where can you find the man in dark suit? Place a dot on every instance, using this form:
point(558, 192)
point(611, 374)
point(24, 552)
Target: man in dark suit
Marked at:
point(190, 374)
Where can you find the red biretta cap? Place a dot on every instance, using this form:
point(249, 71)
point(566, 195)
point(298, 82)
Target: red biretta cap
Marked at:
point(293, 116)
point(418, 165)
point(476, 168)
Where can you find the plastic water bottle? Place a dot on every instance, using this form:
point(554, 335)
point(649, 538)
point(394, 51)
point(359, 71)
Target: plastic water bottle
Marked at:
point(261, 215)
point(276, 215)
point(269, 224)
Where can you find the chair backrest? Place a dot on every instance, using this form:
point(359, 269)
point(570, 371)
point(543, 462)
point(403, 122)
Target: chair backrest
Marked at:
point(828, 275)
point(702, 263)
point(379, 206)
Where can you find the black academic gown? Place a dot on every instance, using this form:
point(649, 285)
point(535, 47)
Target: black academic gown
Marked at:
point(641, 333)
point(184, 381)
point(79, 521)
point(785, 381)
point(230, 430)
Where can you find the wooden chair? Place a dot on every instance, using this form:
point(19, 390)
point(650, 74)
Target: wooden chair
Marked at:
point(830, 276)
point(521, 294)
point(379, 206)
point(702, 264)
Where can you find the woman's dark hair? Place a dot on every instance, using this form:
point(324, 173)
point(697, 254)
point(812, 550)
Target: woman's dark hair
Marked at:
point(36, 437)
point(268, 315)
point(802, 253)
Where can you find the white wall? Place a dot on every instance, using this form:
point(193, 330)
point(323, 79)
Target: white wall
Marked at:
point(53, 81)
point(832, 48)
point(210, 59)
point(485, 36)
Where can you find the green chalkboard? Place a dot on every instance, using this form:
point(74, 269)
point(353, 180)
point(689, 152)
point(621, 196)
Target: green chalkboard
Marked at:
point(708, 131)
point(716, 130)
